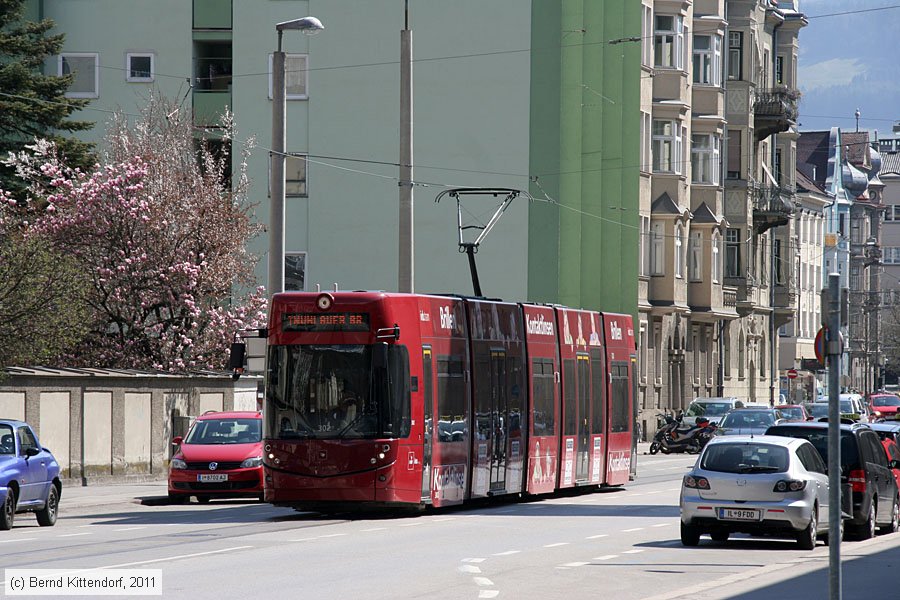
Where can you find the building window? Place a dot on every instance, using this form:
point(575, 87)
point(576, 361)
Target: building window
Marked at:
point(777, 167)
point(716, 258)
point(645, 246)
point(669, 41)
point(732, 252)
point(735, 54)
point(705, 158)
point(647, 37)
point(140, 67)
point(679, 251)
point(294, 175)
point(779, 70)
point(294, 271)
point(695, 257)
point(707, 59)
point(667, 146)
point(734, 154)
point(85, 71)
point(777, 265)
point(657, 250)
point(645, 142)
point(295, 76)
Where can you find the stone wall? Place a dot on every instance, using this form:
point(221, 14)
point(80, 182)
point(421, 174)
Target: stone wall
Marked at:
point(115, 426)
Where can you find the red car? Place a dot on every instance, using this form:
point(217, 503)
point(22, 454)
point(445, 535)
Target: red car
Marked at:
point(794, 412)
point(893, 456)
point(221, 456)
point(884, 406)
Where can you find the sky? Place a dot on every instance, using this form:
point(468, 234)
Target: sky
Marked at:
point(850, 61)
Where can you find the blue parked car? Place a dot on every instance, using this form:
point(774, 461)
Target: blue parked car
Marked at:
point(29, 475)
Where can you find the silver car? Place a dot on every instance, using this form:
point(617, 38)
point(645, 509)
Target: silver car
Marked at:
point(759, 485)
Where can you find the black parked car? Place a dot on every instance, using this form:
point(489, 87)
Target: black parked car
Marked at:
point(867, 483)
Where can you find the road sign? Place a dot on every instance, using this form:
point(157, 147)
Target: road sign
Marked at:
point(792, 373)
point(819, 345)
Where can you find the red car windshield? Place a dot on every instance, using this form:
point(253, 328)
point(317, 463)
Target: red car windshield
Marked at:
point(225, 431)
point(886, 400)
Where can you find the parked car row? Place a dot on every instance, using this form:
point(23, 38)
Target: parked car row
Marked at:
point(776, 484)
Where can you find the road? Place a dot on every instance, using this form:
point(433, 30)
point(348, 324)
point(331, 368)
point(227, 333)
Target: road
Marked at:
point(620, 544)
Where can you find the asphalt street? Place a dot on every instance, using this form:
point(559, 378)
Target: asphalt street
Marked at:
point(622, 544)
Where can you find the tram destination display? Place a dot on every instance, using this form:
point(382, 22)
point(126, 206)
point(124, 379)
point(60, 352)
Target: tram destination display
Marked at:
point(341, 321)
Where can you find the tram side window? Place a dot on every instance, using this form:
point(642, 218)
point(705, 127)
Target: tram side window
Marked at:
point(397, 407)
point(483, 400)
point(619, 410)
point(599, 392)
point(451, 413)
point(544, 415)
point(516, 395)
point(570, 425)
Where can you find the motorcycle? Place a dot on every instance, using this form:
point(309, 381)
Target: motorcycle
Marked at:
point(672, 435)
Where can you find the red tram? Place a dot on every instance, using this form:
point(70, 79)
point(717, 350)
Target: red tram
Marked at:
point(405, 399)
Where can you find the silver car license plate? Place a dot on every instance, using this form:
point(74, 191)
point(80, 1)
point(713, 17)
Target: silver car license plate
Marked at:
point(739, 514)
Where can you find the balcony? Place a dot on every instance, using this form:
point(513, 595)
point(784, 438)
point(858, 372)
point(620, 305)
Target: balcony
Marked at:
point(774, 111)
point(772, 207)
point(746, 292)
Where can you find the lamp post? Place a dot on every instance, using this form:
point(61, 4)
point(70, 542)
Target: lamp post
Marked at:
point(405, 274)
point(309, 26)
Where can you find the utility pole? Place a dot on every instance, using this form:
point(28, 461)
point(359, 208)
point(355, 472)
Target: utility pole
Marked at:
point(833, 351)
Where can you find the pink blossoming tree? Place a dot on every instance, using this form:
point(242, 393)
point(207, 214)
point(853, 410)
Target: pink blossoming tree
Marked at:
point(159, 229)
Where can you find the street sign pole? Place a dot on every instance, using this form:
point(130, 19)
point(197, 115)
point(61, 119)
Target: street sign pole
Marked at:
point(833, 352)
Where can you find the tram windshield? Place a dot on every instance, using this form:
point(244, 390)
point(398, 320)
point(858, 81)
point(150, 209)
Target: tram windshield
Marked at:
point(337, 392)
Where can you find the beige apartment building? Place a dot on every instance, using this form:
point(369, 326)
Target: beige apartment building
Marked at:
point(718, 123)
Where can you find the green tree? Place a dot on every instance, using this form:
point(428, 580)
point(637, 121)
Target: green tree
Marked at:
point(32, 104)
point(42, 308)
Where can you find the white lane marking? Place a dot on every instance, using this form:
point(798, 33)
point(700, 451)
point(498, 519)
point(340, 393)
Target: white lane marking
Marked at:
point(375, 529)
point(473, 560)
point(574, 564)
point(636, 494)
point(556, 544)
point(635, 551)
point(130, 528)
point(444, 519)
point(156, 560)
point(469, 569)
point(304, 539)
point(606, 557)
point(16, 540)
point(488, 593)
point(656, 492)
point(676, 489)
point(74, 534)
point(632, 529)
point(507, 553)
point(410, 524)
point(482, 581)
point(597, 537)
point(662, 525)
point(88, 525)
point(331, 535)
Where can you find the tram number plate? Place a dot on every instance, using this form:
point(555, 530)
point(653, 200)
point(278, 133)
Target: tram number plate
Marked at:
point(739, 514)
point(213, 477)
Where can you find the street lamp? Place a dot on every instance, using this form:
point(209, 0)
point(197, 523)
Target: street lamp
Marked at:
point(309, 26)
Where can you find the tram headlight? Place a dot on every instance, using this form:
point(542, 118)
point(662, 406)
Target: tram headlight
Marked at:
point(177, 463)
point(256, 461)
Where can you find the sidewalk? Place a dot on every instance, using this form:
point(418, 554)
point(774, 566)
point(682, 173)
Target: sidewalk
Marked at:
point(101, 495)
